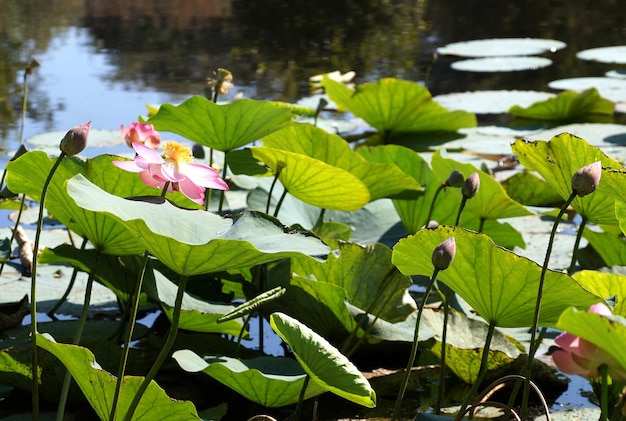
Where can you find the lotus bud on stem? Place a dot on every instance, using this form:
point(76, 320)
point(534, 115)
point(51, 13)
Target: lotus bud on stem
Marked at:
point(455, 179)
point(469, 189)
point(584, 182)
point(442, 257)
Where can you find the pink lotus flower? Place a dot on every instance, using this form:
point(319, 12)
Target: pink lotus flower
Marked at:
point(143, 133)
point(174, 167)
point(578, 356)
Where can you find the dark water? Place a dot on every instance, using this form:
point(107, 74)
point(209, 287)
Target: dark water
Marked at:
point(104, 60)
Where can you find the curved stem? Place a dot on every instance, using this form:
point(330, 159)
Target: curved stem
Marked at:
point(269, 194)
point(128, 334)
point(58, 304)
point(33, 287)
point(409, 366)
point(165, 351)
point(442, 370)
point(305, 384)
point(481, 373)
point(77, 335)
point(17, 223)
point(222, 192)
point(604, 393)
point(461, 207)
point(280, 203)
point(579, 235)
point(533, 332)
point(432, 203)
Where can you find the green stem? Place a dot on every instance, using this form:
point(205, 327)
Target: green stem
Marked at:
point(481, 225)
point(128, 334)
point(305, 384)
point(604, 393)
point(409, 366)
point(461, 207)
point(58, 304)
point(269, 194)
point(533, 332)
point(17, 224)
point(24, 102)
point(442, 370)
point(165, 351)
point(432, 203)
point(280, 203)
point(222, 192)
point(579, 235)
point(481, 373)
point(33, 287)
point(77, 335)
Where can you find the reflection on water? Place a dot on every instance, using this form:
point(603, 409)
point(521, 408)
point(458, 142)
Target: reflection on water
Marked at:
point(103, 60)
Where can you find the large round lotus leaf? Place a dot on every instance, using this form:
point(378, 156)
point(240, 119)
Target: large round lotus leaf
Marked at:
point(608, 87)
point(501, 47)
point(567, 105)
point(501, 64)
point(490, 102)
point(614, 54)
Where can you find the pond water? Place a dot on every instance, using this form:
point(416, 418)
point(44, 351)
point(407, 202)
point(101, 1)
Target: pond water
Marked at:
point(105, 60)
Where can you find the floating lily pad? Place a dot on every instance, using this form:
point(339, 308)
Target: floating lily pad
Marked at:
point(490, 102)
point(609, 87)
point(501, 64)
point(501, 47)
point(567, 105)
point(601, 135)
point(619, 74)
point(615, 54)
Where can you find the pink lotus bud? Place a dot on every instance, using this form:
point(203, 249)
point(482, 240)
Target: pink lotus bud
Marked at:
point(455, 179)
point(143, 133)
point(471, 186)
point(444, 253)
point(586, 179)
point(75, 139)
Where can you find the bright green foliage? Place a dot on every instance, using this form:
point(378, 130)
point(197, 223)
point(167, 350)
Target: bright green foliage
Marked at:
point(396, 106)
point(193, 242)
point(98, 386)
point(610, 246)
point(557, 160)
point(382, 180)
point(324, 364)
point(315, 182)
point(500, 285)
point(567, 105)
point(268, 381)
point(606, 285)
point(221, 127)
point(530, 190)
point(608, 333)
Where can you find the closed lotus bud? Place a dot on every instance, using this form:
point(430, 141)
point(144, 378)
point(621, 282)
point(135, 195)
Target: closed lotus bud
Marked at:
point(75, 139)
point(455, 179)
point(471, 185)
point(432, 225)
point(444, 254)
point(586, 179)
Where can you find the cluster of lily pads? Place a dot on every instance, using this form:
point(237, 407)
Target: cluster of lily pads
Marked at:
point(161, 224)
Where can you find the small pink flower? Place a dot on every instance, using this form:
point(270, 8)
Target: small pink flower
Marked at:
point(174, 167)
point(578, 356)
point(143, 133)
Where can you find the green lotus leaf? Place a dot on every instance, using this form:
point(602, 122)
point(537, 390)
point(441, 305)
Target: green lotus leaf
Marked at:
point(368, 278)
point(605, 285)
point(613, 182)
point(620, 213)
point(491, 200)
point(395, 106)
point(193, 242)
point(498, 284)
point(98, 386)
point(610, 246)
point(557, 161)
point(567, 105)
point(268, 381)
point(608, 333)
point(109, 271)
point(196, 315)
point(221, 127)
point(381, 179)
point(315, 182)
point(28, 173)
point(530, 190)
point(324, 364)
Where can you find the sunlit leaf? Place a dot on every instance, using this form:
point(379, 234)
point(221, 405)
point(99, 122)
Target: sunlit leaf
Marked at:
point(396, 106)
point(567, 105)
point(528, 189)
point(325, 365)
point(192, 242)
point(608, 333)
point(557, 160)
point(500, 285)
point(268, 381)
point(605, 285)
point(315, 182)
point(382, 180)
point(610, 246)
point(98, 386)
point(221, 127)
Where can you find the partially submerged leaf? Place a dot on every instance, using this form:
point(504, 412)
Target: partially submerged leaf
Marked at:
point(567, 105)
point(501, 64)
point(501, 47)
